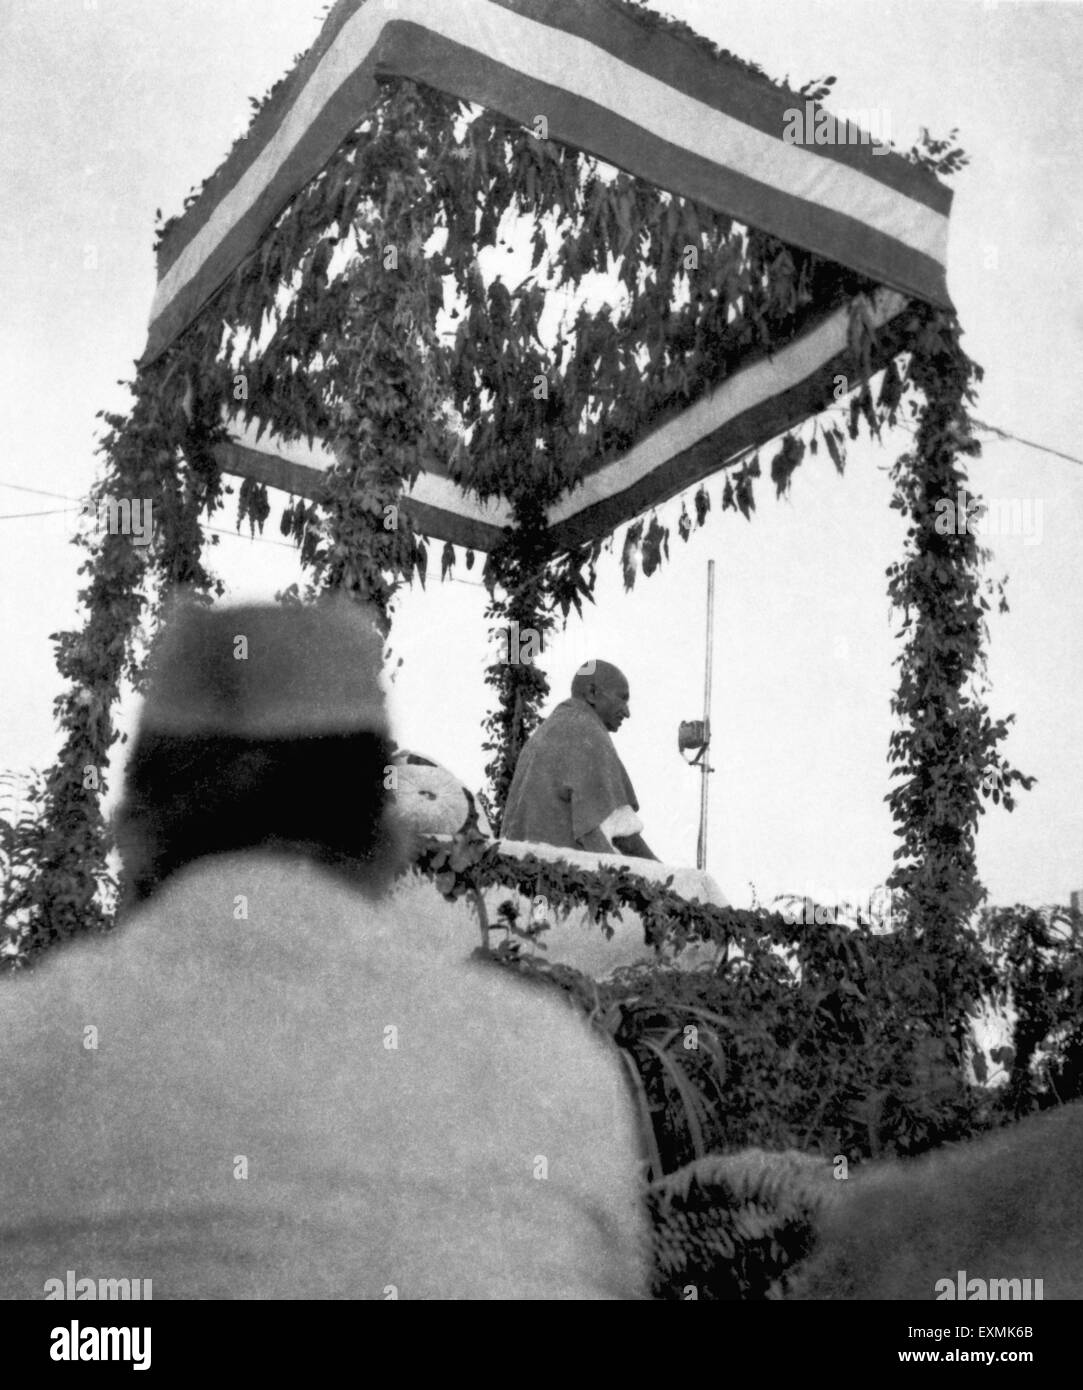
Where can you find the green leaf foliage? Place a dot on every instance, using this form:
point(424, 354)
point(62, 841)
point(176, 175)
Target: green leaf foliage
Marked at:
point(820, 1039)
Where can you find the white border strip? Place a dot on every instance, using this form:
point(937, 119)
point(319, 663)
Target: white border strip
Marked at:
point(437, 491)
point(432, 489)
point(555, 57)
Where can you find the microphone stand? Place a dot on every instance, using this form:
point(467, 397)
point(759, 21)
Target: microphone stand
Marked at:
point(705, 770)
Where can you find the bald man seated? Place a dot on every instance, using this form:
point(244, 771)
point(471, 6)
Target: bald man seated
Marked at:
point(570, 787)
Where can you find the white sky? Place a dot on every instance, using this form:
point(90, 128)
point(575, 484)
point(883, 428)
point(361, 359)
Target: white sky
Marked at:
point(110, 109)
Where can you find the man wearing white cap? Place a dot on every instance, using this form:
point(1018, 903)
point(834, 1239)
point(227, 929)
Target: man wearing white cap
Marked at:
point(261, 1085)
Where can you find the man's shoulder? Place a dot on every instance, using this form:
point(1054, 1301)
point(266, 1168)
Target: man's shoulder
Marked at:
point(568, 716)
point(239, 923)
point(185, 980)
point(247, 917)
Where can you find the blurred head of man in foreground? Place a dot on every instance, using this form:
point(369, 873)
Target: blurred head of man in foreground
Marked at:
point(267, 728)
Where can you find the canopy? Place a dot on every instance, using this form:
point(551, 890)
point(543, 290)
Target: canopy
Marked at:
point(644, 101)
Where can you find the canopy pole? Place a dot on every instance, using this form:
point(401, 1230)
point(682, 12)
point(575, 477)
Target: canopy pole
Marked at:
point(701, 844)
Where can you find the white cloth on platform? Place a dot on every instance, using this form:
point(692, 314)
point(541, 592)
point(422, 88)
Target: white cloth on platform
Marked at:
point(573, 938)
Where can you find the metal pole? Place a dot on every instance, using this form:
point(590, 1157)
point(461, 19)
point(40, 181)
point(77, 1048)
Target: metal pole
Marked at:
point(701, 846)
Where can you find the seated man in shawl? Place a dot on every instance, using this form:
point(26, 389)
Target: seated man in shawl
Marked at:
point(570, 787)
point(262, 1085)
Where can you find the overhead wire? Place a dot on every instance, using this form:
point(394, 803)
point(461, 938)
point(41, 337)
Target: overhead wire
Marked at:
point(1001, 434)
point(18, 516)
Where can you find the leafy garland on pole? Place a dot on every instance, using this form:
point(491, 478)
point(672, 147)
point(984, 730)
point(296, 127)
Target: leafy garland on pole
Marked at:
point(946, 748)
point(59, 882)
point(519, 611)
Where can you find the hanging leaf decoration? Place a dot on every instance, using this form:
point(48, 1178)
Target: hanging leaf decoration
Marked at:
point(890, 391)
point(629, 558)
point(836, 447)
point(253, 504)
point(447, 560)
point(855, 416)
point(784, 463)
point(861, 335)
point(864, 401)
point(728, 499)
point(656, 538)
point(742, 487)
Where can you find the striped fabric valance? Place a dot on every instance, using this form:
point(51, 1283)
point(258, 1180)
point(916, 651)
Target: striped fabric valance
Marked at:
point(753, 406)
point(642, 99)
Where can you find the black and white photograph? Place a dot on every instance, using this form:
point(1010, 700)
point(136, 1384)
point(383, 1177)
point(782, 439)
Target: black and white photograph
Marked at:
point(541, 728)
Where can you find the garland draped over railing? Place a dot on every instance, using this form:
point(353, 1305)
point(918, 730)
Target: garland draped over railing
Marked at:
point(803, 1036)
